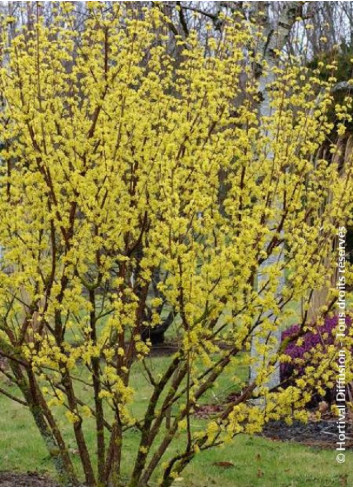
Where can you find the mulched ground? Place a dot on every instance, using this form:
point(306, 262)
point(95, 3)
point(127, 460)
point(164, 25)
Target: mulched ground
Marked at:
point(164, 349)
point(29, 479)
point(170, 347)
point(315, 433)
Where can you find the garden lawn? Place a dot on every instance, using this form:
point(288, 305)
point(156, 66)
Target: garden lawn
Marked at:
point(247, 461)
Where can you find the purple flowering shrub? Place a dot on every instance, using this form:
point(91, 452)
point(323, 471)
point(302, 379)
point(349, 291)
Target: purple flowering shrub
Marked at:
point(299, 349)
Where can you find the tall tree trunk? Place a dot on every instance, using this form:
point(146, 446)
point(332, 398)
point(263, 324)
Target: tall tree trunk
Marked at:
point(276, 36)
point(321, 297)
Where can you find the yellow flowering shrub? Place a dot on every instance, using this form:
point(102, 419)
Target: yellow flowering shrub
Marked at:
point(135, 185)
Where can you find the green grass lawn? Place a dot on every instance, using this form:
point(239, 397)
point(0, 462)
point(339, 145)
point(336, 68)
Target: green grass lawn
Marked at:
point(250, 461)
point(247, 461)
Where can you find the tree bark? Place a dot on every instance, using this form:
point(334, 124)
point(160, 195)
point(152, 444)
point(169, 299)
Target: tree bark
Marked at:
point(276, 37)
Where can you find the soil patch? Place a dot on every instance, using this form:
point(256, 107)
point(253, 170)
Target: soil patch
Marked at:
point(323, 433)
point(163, 349)
point(29, 479)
